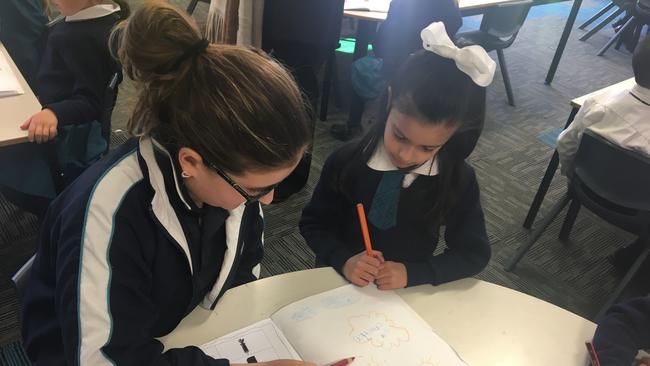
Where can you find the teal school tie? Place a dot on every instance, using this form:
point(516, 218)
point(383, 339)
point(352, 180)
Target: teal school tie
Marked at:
point(383, 211)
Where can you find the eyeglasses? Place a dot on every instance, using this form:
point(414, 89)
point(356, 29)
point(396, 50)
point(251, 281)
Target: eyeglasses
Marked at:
point(248, 197)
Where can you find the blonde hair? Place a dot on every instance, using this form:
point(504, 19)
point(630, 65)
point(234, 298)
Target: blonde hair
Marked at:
point(236, 106)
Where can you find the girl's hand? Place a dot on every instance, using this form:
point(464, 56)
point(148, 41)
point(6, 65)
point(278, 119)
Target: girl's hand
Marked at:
point(391, 275)
point(278, 363)
point(42, 126)
point(362, 268)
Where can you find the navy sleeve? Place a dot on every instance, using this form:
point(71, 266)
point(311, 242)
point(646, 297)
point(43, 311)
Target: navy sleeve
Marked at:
point(468, 248)
point(253, 251)
point(318, 224)
point(623, 331)
point(106, 311)
point(91, 77)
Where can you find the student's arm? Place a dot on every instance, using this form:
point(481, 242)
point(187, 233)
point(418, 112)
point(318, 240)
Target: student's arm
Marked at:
point(111, 322)
point(253, 251)
point(468, 248)
point(320, 219)
point(91, 77)
point(622, 332)
point(569, 140)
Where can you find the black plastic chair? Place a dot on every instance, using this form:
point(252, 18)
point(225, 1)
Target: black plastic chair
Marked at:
point(621, 5)
point(192, 6)
point(498, 31)
point(640, 16)
point(611, 182)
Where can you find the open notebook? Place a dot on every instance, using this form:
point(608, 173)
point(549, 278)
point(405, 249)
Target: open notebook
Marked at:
point(376, 327)
point(8, 82)
point(368, 5)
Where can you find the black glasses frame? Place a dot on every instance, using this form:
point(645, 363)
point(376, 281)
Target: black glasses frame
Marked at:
point(248, 197)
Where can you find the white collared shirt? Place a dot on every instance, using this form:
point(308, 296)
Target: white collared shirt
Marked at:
point(621, 117)
point(93, 12)
point(380, 161)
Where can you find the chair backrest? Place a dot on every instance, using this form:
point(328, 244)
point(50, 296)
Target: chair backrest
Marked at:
point(505, 20)
point(614, 182)
point(643, 9)
point(110, 97)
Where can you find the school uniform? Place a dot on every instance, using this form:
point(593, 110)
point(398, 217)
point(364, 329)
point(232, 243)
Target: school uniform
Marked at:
point(124, 255)
point(624, 330)
point(621, 117)
point(77, 65)
point(331, 227)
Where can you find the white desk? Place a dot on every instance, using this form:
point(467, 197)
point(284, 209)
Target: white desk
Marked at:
point(16, 109)
point(485, 323)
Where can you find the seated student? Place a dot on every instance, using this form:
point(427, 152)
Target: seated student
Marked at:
point(397, 37)
point(172, 219)
point(624, 331)
point(622, 117)
point(409, 179)
point(75, 71)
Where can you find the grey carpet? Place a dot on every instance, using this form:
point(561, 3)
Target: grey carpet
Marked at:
point(509, 160)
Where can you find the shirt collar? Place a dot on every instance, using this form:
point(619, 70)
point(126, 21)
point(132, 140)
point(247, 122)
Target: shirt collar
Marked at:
point(93, 12)
point(381, 162)
point(178, 186)
point(641, 93)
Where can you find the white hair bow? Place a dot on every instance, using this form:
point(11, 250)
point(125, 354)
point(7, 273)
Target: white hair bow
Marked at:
point(472, 60)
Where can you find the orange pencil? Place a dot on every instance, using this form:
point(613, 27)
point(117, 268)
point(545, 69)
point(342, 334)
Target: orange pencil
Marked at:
point(364, 228)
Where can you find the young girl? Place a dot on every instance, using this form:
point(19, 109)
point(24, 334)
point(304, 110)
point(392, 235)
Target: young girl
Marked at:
point(170, 220)
point(75, 71)
point(409, 172)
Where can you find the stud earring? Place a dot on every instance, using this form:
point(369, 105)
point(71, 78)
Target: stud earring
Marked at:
point(185, 175)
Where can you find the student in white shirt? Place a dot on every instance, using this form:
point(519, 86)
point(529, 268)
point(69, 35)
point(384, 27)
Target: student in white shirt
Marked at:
point(622, 117)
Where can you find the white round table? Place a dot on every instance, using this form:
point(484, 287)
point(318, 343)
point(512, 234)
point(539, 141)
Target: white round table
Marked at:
point(485, 323)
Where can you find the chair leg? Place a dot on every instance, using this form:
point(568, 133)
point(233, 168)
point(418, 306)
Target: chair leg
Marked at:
point(537, 233)
point(192, 6)
point(616, 36)
point(602, 24)
point(546, 180)
point(327, 84)
point(569, 219)
point(599, 14)
point(626, 280)
point(506, 77)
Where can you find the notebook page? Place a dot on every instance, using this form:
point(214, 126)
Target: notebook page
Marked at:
point(9, 84)
point(368, 5)
point(376, 327)
point(261, 341)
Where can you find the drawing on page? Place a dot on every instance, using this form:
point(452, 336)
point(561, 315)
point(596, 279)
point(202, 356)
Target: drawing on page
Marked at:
point(335, 302)
point(428, 361)
point(250, 347)
point(377, 330)
point(304, 313)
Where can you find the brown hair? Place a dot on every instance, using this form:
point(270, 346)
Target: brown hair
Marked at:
point(235, 106)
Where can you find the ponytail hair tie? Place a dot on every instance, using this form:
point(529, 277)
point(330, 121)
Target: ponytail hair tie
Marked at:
point(472, 60)
point(191, 52)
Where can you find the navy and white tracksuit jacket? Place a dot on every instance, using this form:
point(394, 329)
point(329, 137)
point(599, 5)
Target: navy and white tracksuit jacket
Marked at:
point(124, 256)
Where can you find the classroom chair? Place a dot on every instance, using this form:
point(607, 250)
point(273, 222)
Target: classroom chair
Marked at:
point(621, 5)
point(192, 6)
point(498, 31)
point(640, 16)
point(611, 182)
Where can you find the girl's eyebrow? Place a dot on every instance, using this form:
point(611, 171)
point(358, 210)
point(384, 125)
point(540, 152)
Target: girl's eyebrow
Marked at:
point(407, 139)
